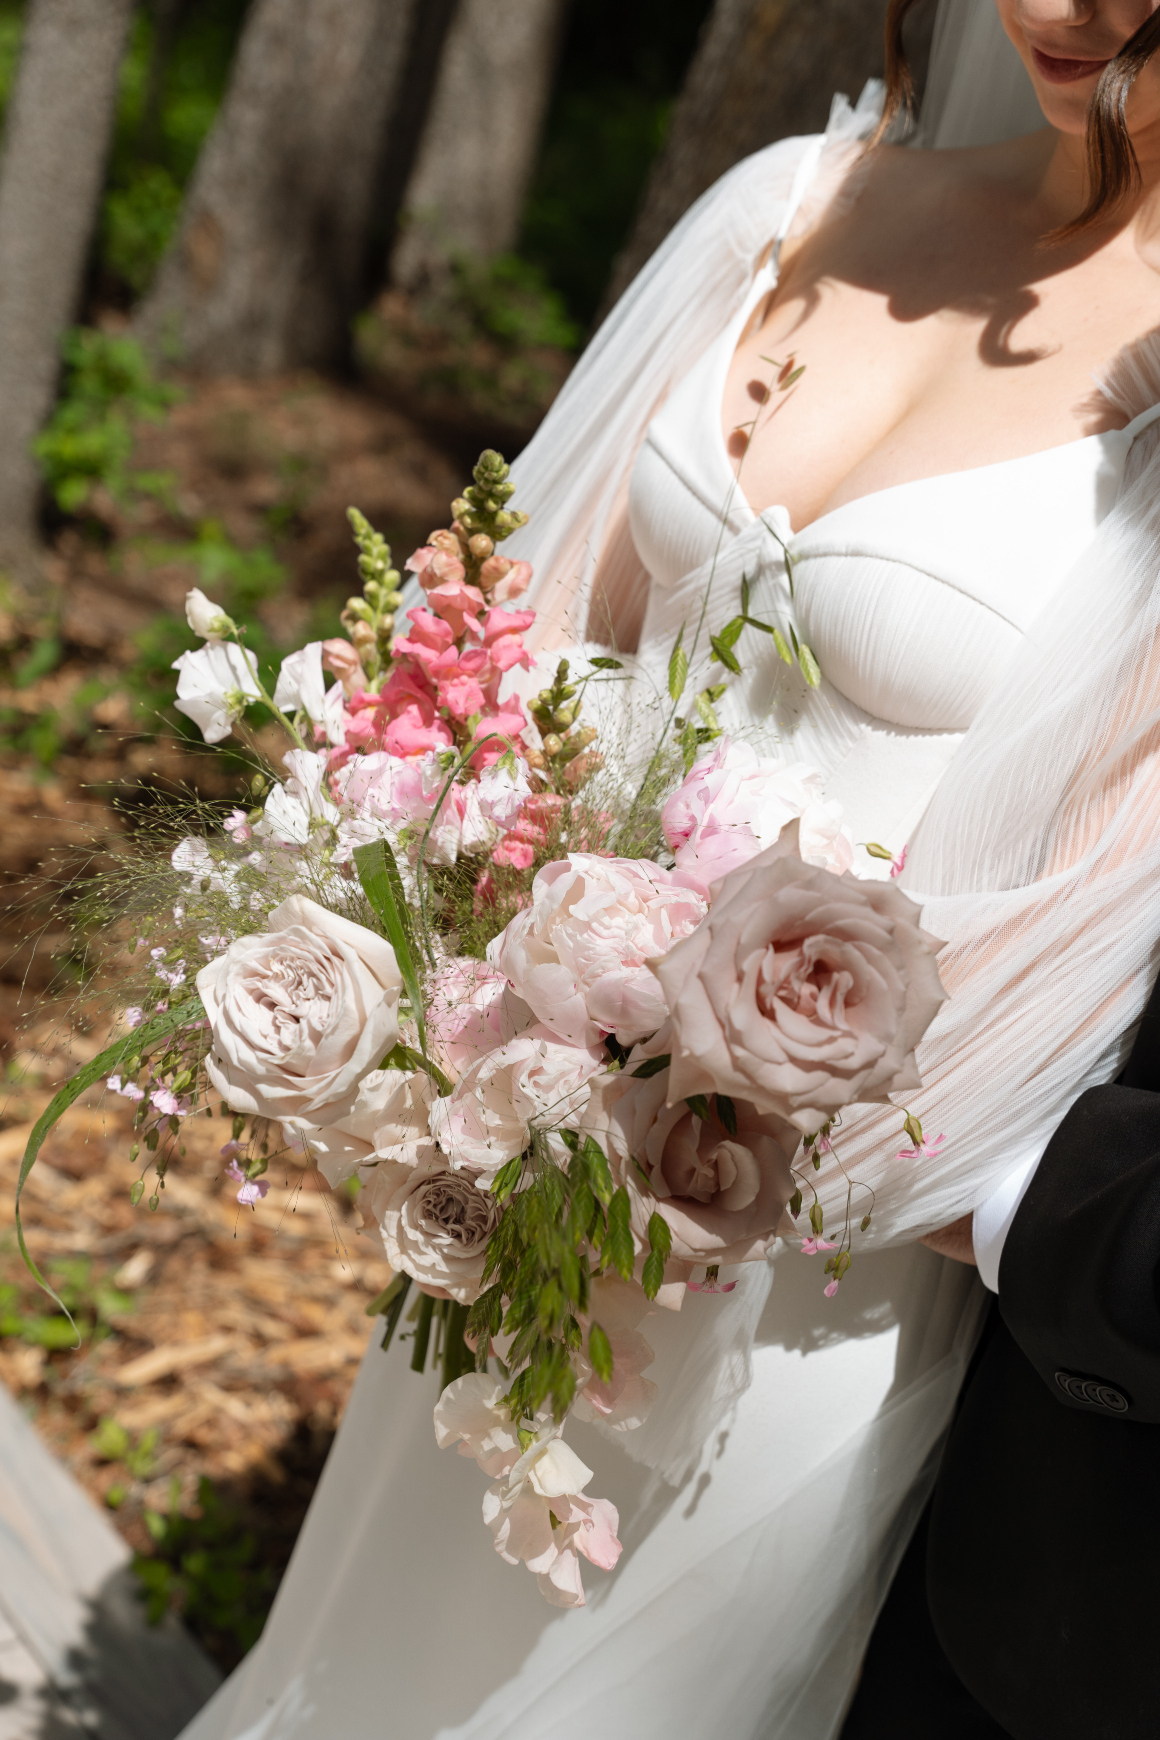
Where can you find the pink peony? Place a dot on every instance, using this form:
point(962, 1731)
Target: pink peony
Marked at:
point(471, 1010)
point(722, 1193)
point(802, 991)
point(733, 804)
point(578, 956)
point(534, 1081)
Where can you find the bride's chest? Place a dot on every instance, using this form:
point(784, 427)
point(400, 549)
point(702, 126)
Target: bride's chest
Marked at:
point(896, 387)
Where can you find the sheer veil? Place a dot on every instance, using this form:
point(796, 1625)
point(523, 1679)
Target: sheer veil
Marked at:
point(977, 91)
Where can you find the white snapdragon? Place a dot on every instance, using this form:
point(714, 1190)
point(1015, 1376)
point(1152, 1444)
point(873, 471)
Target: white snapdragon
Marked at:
point(215, 685)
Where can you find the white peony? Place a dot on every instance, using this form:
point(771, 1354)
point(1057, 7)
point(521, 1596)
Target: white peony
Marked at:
point(215, 685)
point(205, 617)
point(535, 1079)
point(300, 1014)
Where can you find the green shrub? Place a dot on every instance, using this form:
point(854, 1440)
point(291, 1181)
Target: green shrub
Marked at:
point(108, 388)
point(206, 1568)
point(138, 223)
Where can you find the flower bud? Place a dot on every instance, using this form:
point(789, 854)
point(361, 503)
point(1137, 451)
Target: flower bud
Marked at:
point(552, 745)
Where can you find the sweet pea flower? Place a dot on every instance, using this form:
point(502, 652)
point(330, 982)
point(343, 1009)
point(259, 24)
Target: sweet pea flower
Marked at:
point(300, 686)
point(538, 1515)
point(294, 811)
point(504, 789)
point(206, 618)
point(215, 685)
point(469, 1415)
point(237, 827)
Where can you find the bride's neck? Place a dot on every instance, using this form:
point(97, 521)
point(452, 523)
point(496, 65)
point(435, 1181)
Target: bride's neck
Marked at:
point(1063, 189)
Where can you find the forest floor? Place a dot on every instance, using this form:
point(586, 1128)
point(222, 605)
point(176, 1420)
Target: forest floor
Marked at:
point(220, 1342)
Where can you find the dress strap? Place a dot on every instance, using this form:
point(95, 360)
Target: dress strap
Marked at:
point(1144, 421)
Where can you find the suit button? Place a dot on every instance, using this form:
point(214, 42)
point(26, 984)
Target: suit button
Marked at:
point(1092, 1393)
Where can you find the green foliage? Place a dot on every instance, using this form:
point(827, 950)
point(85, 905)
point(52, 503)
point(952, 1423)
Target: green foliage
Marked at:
point(511, 300)
point(540, 1261)
point(114, 1443)
point(88, 441)
point(163, 116)
point(138, 223)
point(206, 1567)
point(11, 25)
point(92, 1301)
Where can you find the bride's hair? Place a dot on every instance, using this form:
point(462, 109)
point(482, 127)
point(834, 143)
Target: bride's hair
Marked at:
point(1113, 169)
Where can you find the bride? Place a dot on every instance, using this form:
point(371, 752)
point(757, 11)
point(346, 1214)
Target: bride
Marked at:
point(963, 488)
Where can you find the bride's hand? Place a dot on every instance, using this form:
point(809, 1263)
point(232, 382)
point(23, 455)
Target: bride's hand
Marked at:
point(954, 1241)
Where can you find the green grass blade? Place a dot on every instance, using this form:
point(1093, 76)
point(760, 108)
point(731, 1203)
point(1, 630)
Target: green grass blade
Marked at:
point(381, 883)
point(109, 1062)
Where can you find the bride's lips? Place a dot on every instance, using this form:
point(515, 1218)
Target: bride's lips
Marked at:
point(1058, 71)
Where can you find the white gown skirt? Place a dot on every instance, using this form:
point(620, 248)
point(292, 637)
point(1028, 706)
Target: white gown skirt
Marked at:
point(741, 1605)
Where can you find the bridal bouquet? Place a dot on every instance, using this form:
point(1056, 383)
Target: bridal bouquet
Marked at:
point(580, 1053)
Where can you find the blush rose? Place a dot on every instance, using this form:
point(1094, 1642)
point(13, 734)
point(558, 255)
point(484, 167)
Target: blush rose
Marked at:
point(802, 992)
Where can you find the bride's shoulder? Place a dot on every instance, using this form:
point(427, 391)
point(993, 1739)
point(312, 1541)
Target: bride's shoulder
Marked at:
point(909, 179)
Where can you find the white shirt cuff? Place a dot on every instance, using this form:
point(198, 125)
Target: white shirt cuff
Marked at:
point(992, 1219)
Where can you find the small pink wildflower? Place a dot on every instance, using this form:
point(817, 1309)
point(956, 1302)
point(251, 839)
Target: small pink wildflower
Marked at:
point(927, 1149)
point(898, 865)
point(811, 1247)
point(128, 1090)
point(231, 1150)
point(831, 1289)
point(166, 1102)
point(134, 1015)
point(237, 826)
point(253, 1189)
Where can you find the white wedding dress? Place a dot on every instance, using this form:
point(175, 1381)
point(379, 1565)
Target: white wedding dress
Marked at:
point(747, 1591)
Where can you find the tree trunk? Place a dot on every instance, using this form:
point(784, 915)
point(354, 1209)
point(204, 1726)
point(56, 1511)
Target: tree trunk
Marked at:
point(269, 265)
point(478, 149)
point(763, 70)
point(56, 142)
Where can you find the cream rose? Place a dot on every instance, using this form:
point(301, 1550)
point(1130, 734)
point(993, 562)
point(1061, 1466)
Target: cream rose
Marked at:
point(388, 1120)
point(723, 1192)
point(300, 1014)
point(802, 991)
point(434, 1223)
point(578, 955)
